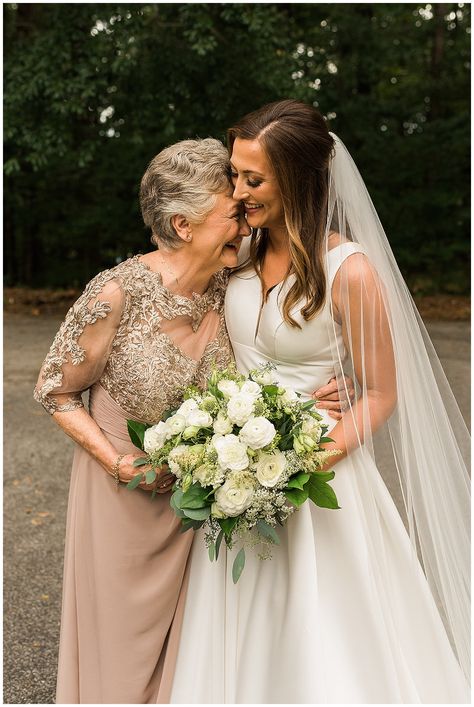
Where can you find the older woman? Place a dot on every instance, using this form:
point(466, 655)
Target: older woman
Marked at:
point(139, 334)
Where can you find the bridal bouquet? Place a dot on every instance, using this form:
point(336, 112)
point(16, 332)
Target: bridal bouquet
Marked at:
point(245, 452)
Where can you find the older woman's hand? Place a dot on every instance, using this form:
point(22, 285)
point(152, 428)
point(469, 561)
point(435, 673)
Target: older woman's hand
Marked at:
point(333, 399)
point(127, 471)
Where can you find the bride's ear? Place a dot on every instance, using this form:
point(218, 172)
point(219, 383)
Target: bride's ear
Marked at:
point(182, 227)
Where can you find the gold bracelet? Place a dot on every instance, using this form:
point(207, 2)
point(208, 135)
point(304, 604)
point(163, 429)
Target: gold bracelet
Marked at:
point(116, 467)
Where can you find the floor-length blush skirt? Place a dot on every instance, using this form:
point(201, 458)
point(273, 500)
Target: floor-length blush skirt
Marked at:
point(124, 582)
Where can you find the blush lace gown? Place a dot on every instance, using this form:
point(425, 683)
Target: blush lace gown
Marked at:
point(136, 346)
point(342, 613)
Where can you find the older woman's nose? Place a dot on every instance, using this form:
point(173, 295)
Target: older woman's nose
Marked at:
point(244, 228)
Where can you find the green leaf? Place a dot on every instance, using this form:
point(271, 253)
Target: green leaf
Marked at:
point(308, 405)
point(270, 389)
point(218, 543)
point(189, 524)
point(135, 481)
point(175, 500)
point(194, 497)
point(323, 475)
point(295, 496)
point(325, 439)
point(321, 493)
point(228, 525)
point(137, 430)
point(212, 552)
point(298, 481)
point(141, 461)
point(150, 476)
point(238, 566)
point(268, 531)
point(197, 513)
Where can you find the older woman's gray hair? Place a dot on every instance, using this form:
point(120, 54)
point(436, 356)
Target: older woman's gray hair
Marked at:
point(184, 179)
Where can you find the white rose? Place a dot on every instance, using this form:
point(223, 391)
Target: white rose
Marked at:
point(155, 437)
point(199, 418)
point(176, 424)
point(240, 408)
point(233, 498)
point(231, 453)
point(257, 432)
point(289, 395)
point(228, 388)
point(186, 407)
point(270, 468)
point(174, 457)
point(222, 425)
point(251, 388)
point(311, 427)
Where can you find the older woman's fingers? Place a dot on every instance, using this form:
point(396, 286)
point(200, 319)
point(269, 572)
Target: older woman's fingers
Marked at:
point(335, 415)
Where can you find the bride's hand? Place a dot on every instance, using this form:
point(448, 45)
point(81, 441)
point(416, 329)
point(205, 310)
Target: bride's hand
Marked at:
point(335, 400)
point(127, 471)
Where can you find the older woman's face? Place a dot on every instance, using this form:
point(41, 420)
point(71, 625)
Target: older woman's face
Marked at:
point(218, 237)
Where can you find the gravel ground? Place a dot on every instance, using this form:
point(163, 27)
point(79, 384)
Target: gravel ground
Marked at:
point(36, 461)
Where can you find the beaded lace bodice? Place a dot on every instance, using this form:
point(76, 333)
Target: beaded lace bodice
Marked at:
point(138, 340)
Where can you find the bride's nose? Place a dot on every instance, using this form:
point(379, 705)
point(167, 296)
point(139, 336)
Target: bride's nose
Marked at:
point(240, 191)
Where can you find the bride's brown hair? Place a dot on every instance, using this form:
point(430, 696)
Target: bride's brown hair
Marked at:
point(297, 142)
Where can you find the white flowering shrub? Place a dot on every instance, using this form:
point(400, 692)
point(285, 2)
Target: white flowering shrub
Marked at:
point(246, 453)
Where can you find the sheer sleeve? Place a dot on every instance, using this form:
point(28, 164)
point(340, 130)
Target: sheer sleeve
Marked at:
point(82, 346)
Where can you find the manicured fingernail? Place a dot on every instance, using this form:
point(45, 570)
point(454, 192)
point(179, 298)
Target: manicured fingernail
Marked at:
point(316, 393)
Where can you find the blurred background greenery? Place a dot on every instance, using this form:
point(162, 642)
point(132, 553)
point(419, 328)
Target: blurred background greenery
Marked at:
point(93, 91)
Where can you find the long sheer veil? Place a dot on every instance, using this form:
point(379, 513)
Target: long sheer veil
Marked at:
point(425, 440)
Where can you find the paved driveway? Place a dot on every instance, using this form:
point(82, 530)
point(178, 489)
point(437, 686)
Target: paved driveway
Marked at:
point(36, 478)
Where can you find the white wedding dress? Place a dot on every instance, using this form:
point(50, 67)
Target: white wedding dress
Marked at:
point(342, 613)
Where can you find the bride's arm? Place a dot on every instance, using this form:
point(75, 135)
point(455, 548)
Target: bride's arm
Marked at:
point(358, 303)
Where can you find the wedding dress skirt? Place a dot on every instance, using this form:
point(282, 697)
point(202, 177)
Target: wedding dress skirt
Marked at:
point(342, 613)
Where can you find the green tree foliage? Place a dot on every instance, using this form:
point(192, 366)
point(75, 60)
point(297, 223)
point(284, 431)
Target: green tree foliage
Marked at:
point(94, 91)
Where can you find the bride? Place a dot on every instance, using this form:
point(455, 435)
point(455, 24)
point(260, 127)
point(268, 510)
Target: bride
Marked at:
point(352, 608)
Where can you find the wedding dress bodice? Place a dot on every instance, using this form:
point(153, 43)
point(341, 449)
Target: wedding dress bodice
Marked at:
point(303, 357)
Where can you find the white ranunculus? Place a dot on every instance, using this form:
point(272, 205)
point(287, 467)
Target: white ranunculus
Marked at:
point(311, 427)
point(233, 498)
point(231, 453)
point(155, 437)
point(199, 418)
point(174, 458)
point(251, 388)
point(222, 425)
point(270, 468)
point(228, 388)
point(257, 432)
point(186, 407)
point(240, 408)
point(176, 424)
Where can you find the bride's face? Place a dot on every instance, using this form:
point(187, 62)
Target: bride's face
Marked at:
point(255, 184)
point(216, 241)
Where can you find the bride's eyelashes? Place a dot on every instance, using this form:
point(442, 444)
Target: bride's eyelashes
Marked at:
point(250, 182)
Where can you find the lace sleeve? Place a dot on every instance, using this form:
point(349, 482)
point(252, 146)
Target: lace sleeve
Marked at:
point(82, 345)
